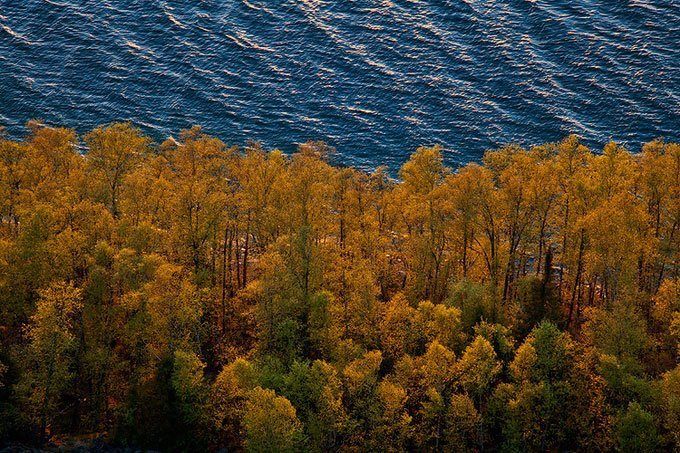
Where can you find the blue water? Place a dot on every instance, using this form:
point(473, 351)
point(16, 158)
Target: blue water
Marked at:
point(375, 78)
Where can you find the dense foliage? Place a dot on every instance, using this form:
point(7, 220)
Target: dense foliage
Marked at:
point(189, 296)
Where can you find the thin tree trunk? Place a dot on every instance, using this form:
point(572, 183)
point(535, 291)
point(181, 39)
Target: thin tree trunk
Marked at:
point(577, 278)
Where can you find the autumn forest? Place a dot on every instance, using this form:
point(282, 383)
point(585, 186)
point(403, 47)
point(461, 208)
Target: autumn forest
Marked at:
point(193, 296)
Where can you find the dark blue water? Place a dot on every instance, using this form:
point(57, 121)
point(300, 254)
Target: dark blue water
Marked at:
point(374, 78)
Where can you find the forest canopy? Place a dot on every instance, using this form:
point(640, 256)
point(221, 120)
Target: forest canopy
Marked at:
point(189, 295)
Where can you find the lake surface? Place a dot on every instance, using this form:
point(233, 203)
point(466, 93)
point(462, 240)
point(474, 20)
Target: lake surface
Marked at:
point(376, 79)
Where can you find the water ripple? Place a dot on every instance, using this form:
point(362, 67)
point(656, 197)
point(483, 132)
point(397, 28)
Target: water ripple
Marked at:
point(376, 78)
